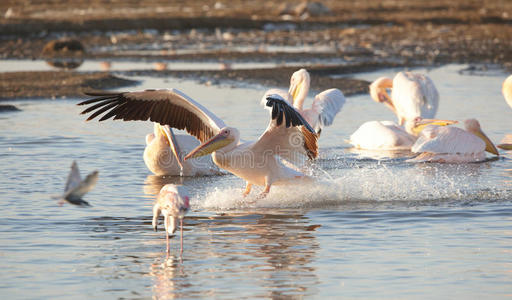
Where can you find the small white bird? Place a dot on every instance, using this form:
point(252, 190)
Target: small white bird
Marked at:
point(452, 144)
point(173, 202)
point(412, 95)
point(76, 188)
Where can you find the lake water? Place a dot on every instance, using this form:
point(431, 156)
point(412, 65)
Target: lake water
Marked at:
point(370, 229)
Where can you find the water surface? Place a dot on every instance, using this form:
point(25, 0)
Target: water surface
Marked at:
point(369, 228)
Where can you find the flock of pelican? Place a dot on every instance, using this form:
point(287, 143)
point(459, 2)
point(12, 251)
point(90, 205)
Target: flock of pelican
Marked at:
point(291, 135)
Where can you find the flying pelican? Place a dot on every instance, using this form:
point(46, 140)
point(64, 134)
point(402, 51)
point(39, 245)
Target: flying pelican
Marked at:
point(325, 105)
point(76, 188)
point(506, 143)
point(452, 144)
point(164, 153)
point(287, 136)
point(412, 95)
point(173, 202)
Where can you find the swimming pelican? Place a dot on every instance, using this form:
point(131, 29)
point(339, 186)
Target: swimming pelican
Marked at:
point(412, 95)
point(164, 154)
point(506, 143)
point(325, 105)
point(287, 136)
point(452, 144)
point(173, 202)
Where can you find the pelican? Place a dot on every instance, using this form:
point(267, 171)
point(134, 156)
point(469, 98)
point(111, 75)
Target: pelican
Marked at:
point(287, 136)
point(506, 143)
point(164, 153)
point(325, 105)
point(412, 95)
point(173, 202)
point(76, 188)
point(452, 144)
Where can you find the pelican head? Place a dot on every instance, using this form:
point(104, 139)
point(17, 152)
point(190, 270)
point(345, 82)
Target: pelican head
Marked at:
point(227, 138)
point(507, 90)
point(379, 93)
point(473, 126)
point(299, 87)
point(416, 125)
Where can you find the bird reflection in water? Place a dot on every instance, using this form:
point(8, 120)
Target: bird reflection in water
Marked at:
point(169, 278)
point(280, 245)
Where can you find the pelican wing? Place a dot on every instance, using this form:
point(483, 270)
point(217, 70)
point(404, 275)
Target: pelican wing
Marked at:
point(282, 93)
point(288, 132)
point(447, 140)
point(414, 95)
point(167, 107)
point(325, 107)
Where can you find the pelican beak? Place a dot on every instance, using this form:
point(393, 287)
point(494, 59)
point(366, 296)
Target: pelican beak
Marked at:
point(173, 143)
point(420, 125)
point(505, 146)
point(215, 143)
point(489, 146)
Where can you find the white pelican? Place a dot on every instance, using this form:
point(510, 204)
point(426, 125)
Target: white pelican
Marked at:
point(164, 154)
point(506, 143)
point(287, 136)
point(325, 105)
point(452, 144)
point(173, 202)
point(76, 188)
point(412, 95)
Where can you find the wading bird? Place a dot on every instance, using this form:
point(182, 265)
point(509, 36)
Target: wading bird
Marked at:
point(287, 136)
point(325, 105)
point(412, 95)
point(506, 143)
point(173, 202)
point(452, 144)
point(164, 154)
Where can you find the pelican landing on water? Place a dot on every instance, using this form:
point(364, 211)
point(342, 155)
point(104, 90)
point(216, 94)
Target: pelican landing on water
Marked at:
point(412, 95)
point(288, 136)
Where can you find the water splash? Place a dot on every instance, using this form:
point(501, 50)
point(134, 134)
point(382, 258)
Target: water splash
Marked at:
point(369, 186)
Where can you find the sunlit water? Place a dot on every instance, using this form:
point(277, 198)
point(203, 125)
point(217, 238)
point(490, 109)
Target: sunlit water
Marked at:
point(369, 228)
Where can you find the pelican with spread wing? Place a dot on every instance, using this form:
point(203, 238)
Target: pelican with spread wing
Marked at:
point(287, 136)
point(413, 95)
point(325, 105)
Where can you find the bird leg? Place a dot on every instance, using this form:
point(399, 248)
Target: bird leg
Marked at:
point(265, 191)
point(248, 187)
point(166, 223)
point(168, 251)
point(181, 236)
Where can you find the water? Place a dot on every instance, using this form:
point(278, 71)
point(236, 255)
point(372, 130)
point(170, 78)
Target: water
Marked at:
point(369, 229)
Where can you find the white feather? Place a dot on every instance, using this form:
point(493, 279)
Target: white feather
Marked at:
point(381, 135)
point(414, 95)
